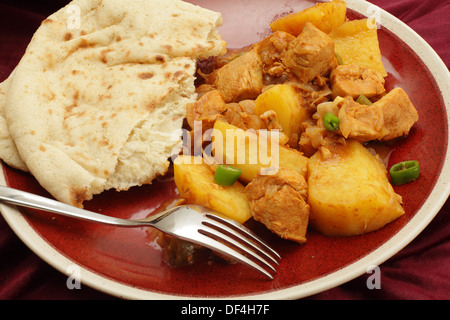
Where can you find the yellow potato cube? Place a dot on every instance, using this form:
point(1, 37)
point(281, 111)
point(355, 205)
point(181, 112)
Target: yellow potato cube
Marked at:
point(357, 42)
point(253, 151)
point(349, 192)
point(324, 16)
point(195, 183)
point(284, 100)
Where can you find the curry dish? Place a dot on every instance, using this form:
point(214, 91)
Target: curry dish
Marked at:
point(324, 93)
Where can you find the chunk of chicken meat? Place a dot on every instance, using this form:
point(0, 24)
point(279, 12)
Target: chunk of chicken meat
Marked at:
point(242, 115)
point(240, 79)
point(390, 117)
point(270, 119)
point(272, 50)
point(279, 202)
point(279, 57)
point(353, 80)
point(318, 138)
point(311, 54)
point(243, 77)
point(207, 109)
point(399, 114)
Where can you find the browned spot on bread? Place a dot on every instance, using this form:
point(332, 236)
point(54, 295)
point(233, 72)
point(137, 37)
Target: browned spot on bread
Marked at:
point(78, 195)
point(85, 44)
point(104, 142)
point(178, 74)
point(151, 106)
point(103, 54)
point(168, 47)
point(68, 36)
point(146, 75)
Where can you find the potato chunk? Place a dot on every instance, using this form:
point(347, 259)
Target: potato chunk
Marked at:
point(324, 16)
point(253, 152)
point(195, 183)
point(349, 192)
point(284, 100)
point(357, 42)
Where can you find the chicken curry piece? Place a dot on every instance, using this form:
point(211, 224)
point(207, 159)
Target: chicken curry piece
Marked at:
point(279, 202)
point(353, 80)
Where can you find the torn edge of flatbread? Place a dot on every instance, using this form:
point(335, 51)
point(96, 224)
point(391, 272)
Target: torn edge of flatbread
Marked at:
point(95, 108)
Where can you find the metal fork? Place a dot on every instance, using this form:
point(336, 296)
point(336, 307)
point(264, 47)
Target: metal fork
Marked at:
point(192, 223)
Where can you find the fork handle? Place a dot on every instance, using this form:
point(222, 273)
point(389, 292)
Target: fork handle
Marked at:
point(29, 200)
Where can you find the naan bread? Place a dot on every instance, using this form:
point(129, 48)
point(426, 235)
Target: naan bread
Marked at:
point(96, 108)
point(8, 150)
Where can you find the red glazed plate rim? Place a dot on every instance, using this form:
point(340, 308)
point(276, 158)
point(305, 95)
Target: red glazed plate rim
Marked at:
point(421, 219)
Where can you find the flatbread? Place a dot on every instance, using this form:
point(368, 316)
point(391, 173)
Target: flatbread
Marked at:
point(8, 149)
point(96, 108)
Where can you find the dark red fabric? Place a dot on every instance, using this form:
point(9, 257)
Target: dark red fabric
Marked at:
point(420, 271)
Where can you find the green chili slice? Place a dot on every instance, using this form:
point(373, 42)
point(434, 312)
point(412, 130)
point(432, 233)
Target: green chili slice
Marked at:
point(331, 122)
point(339, 59)
point(404, 172)
point(226, 175)
point(362, 99)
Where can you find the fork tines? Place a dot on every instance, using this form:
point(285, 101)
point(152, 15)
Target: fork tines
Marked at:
point(239, 243)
